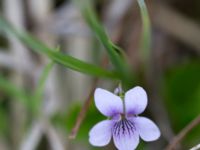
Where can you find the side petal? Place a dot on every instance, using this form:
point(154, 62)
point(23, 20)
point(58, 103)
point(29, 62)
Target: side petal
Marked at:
point(108, 103)
point(125, 135)
point(135, 101)
point(100, 134)
point(147, 129)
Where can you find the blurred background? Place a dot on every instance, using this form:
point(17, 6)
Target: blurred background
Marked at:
point(172, 80)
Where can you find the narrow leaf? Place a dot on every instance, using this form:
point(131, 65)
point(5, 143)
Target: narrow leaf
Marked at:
point(38, 94)
point(13, 90)
point(146, 32)
point(116, 58)
point(40, 89)
point(66, 60)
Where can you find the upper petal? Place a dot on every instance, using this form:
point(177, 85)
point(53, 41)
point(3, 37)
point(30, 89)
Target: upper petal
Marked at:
point(147, 129)
point(125, 135)
point(135, 100)
point(108, 103)
point(100, 134)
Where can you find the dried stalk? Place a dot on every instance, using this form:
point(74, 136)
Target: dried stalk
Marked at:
point(114, 14)
point(39, 10)
point(183, 28)
point(55, 140)
point(178, 138)
point(33, 137)
point(14, 12)
point(6, 60)
point(83, 112)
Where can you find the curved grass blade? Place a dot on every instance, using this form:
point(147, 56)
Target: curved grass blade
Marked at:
point(38, 94)
point(43, 78)
point(116, 58)
point(40, 89)
point(145, 44)
point(14, 91)
point(66, 60)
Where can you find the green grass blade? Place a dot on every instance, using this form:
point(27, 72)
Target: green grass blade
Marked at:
point(66, 60)
point(116, 58)
point(39, 92)
point(14, 91)
point(41, 84)
point(146, 32)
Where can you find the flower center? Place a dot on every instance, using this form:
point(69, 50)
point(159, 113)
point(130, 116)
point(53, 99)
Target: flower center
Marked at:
point(123, 127)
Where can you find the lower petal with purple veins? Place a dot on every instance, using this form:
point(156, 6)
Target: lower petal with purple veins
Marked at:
point(125, 135)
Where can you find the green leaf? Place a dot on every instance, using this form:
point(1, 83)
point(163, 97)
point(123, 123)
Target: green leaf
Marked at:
point(41, 84)
point(38, 94)
point(4, 121)
point(113, 51)
point(182, 97)
point(13, 90)
point(66, 60)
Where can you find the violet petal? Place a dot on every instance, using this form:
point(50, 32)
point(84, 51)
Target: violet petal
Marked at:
point(108, 103)
point(100, 134)
point(135, 101)
point(147, 129)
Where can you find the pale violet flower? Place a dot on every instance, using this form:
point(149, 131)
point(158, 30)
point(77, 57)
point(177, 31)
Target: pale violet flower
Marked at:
point(124, 124)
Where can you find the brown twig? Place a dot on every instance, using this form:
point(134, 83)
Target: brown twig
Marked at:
point(84, 109)
point(177, 139)
point(83, 112)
